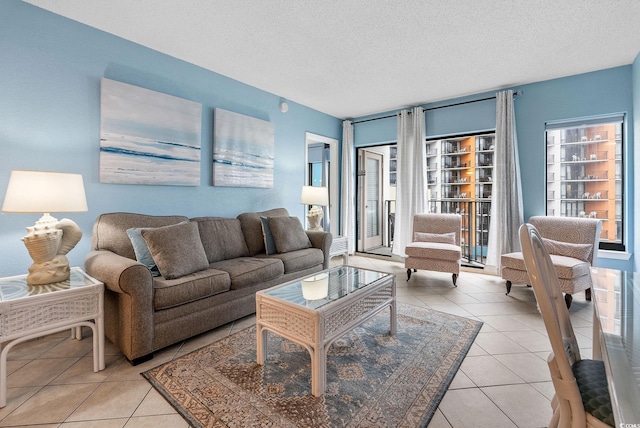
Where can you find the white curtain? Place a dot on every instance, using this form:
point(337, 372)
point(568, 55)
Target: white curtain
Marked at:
point(506, 195)
point(411, 176)
point(347, 202)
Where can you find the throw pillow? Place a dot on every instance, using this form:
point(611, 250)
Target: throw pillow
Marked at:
point(141, 249)
point(567, 249)
point(176, 249)
point(269, 242)
point(288, 234)
point(442, 238)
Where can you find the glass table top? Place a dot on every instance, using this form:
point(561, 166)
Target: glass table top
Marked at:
point(16, 287)
point(325, 287)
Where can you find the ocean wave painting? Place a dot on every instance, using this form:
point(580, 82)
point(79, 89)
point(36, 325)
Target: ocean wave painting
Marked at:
point(242, 150)
point(148, 137)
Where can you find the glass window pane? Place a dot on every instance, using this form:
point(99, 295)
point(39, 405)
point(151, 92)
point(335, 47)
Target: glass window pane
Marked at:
point(584, 173)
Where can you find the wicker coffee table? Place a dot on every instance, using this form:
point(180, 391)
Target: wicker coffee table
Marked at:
point(316, 310)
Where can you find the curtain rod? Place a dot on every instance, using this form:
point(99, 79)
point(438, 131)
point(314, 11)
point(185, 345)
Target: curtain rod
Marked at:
point(439, 107)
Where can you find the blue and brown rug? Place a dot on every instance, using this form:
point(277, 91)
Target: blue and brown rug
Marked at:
point(373, 379)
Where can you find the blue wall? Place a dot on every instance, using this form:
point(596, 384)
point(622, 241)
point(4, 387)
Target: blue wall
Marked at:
point(597, 93)
point(50, 120)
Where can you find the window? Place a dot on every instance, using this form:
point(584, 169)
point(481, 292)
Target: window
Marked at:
point(459, 171)
point(585, 174)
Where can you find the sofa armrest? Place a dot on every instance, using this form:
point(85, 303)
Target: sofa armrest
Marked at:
point(322, 240)
point(129, 309)
point(118, 273)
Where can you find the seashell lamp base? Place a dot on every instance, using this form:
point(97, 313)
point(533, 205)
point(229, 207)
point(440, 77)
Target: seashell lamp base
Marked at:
point(48, 242)
point(54, 270)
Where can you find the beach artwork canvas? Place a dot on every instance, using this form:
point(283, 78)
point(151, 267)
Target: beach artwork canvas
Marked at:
point(148, 137)
point(243, 148)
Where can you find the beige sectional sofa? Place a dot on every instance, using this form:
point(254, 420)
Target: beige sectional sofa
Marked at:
point(196, 274)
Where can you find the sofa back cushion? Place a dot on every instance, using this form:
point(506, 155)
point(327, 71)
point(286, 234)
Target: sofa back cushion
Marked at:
point(221, 238)
point(252, 228)
point(110, 230)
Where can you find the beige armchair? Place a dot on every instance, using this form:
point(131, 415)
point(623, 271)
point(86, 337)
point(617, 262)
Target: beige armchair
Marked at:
point(435, 244)
point(573, 246)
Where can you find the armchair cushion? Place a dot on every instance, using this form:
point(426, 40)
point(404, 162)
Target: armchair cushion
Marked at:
point(288, 234)
point(176, 249)
point(577, 251)
point(444, 238)
point(433, 250)
point(566, 267)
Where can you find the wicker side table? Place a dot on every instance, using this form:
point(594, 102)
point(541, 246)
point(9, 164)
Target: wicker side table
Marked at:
point(340, 246)
point(30, 311)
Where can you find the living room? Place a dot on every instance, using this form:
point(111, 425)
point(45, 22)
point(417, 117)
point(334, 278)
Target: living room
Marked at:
point(50, 106)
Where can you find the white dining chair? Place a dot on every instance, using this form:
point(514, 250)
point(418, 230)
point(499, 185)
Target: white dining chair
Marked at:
point(582, 397)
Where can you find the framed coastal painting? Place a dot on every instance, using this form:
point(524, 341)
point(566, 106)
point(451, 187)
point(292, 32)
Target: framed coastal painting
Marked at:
point(243, 150)
point(148, 137)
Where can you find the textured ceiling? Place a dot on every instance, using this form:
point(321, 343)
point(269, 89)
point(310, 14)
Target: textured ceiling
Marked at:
point(358, 57)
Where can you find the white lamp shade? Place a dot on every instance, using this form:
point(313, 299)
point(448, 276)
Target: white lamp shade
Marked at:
point(316, 287)
point(314, 195)
point(44, 192)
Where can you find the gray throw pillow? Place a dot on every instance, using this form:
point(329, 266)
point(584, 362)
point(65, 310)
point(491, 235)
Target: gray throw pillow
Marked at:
point(269, 242)
point(288, 234)
point(177, 249)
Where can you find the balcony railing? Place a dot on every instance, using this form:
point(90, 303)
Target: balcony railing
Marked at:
point(474, 236)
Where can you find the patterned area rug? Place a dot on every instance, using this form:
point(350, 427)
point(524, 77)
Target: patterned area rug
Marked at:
point(373, 378)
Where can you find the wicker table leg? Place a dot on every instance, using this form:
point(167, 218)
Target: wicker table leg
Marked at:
point(318, 370)
point(261, 344)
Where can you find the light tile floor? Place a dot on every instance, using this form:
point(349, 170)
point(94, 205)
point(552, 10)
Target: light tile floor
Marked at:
point(503, 381)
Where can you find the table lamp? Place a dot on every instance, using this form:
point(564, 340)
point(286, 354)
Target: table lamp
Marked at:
point(316, 287)
point(49, 240)
point(315, 196)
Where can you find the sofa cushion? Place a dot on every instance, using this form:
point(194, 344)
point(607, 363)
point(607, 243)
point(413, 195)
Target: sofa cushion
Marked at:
point(288, 234)
point(559, 248)
point(269, 242)
point(176, 249)
point(252, 228)
point(110, 230)
point(433, 250)
point(295, 261)
point(221, 238)
point(248, 271)
point(168, 293)
point(566, 267)
point(444, 238)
